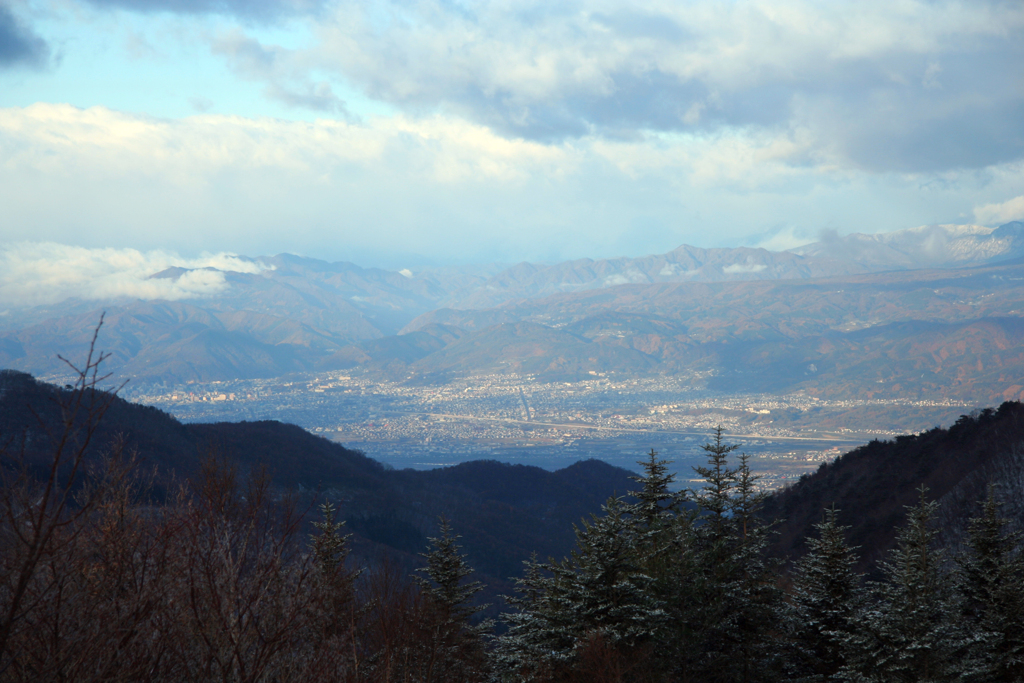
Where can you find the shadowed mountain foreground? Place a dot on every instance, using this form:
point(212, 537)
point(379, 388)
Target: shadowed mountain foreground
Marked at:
point(113, 573)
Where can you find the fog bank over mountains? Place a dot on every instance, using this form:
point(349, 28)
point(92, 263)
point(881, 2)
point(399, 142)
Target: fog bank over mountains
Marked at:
point(743, 316)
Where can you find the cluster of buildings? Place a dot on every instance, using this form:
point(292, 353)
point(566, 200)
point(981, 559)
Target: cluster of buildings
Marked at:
point(515, 417)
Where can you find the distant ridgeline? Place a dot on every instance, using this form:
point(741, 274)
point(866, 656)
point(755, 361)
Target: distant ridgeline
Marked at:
point(219, 579)
point(744, 320)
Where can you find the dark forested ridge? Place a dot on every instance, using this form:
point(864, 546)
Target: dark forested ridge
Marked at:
point(223, 581)
point(873, 484)
point(503, 512)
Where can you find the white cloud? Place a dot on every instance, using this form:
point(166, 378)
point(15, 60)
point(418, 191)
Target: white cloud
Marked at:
point(627, 277)
point(784, 239)
point(737, 268)
point(1002, 212)
point(46, 273)
point(436, 188)
point(53, 135)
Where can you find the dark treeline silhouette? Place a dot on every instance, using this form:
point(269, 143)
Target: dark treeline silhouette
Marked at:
point(502, 511)
point(217, 579)
point(873, 484)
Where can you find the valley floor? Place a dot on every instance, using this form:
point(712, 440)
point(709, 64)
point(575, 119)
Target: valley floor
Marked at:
point(516, 418)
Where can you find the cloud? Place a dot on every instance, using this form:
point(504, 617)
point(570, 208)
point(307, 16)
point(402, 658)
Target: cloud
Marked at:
point(919, 247)
point(737, 268)
point(215, 182)
point(1003, 212)
point(46, 273)
point(250, 10)
point(917, 87)
point(783, 239)
point(62, 139)
point(201, 104)
point(401, 191)
point(19, 46)
point(286, 81)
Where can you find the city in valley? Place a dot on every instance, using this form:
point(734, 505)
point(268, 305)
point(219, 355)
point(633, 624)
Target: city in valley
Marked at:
point(518, 419)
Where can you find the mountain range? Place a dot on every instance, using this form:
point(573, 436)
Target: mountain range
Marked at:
point(927, 311)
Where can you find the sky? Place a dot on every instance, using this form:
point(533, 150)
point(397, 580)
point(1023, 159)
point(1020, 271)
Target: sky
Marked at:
point(399, 133)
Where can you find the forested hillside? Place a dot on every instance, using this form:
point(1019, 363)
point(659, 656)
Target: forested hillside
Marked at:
point(873, 485)
point(504, 512)
point(213, 575)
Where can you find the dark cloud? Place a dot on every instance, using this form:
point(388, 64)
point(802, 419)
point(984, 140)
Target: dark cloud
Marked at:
point(970, 118)
point(933, 89)
point(250, 10)
point(965, 112)
point(18, 44)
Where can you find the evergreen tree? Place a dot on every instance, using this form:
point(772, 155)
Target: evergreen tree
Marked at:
point(601, 585)
point(446, 568)
point(746, 500)
point(600, 591)
point(908, 635)
point(826, 597)
point(990, 580)
point(736, 604)
point(532, 643)
point(713, 545)
point(655, 500)
point(754, 600)
point(330, 548)
point(455, 647)
point(338, 611)
point(714, 498)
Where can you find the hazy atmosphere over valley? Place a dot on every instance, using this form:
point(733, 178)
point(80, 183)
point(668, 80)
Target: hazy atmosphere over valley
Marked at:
point(512, 341)
point(438, 231)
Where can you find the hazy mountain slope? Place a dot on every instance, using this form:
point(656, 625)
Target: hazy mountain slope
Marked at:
point(923, 247)
point(979, 361)
point(172, 342)
point(409, 348)
point(776, 309)
point(914, 248)
point(302, 314)
point(530, 348)
point(684, 264)
point(953, 333)
point(872, 485)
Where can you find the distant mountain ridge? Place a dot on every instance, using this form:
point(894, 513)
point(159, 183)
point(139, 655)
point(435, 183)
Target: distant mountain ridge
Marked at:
point(925, 334)
point(940, 246)
point(932, 246)
point(660, 313)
